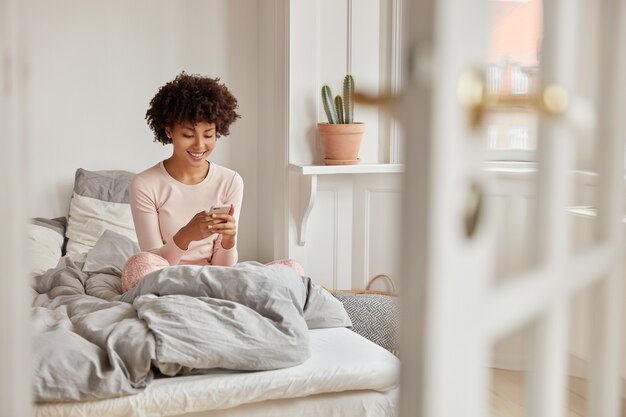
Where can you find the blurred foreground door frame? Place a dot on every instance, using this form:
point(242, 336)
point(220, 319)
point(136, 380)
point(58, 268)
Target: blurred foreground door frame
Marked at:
point(15, 348)
point(452, 311)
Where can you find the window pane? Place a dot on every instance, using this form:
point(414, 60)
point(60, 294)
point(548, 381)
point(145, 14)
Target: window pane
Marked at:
point(515, 37)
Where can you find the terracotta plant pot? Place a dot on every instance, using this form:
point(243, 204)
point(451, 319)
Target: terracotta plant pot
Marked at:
point(341, 142)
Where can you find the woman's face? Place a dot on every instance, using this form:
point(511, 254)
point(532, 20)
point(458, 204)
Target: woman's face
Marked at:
point(192, 143)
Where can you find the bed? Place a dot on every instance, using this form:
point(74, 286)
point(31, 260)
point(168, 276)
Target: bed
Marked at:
point(345, 374)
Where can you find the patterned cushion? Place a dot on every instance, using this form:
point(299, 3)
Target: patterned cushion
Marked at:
point(374, 316)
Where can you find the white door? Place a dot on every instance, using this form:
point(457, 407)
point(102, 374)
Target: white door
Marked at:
point(452, 310)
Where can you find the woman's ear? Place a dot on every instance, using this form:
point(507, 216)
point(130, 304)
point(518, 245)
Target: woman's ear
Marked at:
point(168, 132)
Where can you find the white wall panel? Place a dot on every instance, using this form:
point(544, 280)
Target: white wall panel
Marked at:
point(377, 226)
point(366, 69)
point(333, 45)
point(513, 201)
point(323, 243)
point(514, 226)
point(304, 84)
point(384, 229)
point(329, 238)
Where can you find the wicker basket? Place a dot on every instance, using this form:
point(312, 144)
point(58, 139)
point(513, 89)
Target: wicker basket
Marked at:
point(368, 289)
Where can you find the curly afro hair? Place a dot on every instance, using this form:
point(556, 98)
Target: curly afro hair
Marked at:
point(191, 98)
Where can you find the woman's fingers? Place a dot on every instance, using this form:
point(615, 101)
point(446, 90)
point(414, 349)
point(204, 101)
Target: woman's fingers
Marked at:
point(209, 224)
point(227, 228)
point(223, 217)
point(222, 226)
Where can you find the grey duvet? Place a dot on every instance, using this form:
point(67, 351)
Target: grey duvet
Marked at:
point(93, 342)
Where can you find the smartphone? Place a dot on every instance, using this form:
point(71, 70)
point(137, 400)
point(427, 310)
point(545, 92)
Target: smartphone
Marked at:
point(219, 209)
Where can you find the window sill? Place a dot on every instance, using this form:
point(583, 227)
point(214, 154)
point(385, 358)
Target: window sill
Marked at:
point(517, 167)
point(347, 169)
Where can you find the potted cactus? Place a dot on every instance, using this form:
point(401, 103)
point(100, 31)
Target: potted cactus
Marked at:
point(341, 136)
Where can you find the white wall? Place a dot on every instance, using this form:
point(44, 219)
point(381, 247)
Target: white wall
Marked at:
point(94, 66)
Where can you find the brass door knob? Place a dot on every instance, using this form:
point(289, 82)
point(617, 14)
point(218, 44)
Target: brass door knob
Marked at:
point(384, 102)
point(552, 100)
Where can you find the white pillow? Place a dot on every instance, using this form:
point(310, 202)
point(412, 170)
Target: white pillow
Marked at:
point(44, 248)
point(99, 202)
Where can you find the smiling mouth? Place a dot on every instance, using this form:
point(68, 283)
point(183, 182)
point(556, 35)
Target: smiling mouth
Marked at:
point(197, 155)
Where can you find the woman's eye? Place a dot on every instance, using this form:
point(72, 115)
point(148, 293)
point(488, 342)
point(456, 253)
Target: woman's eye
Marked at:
point(188, 136)
point(208, 137)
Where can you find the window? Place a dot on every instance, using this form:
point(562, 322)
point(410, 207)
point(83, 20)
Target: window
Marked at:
point(492, 137)
point(518, 137)
point(514, 48)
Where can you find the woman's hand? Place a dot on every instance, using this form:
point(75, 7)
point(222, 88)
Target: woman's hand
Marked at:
point(201, 226)
point(227, 227)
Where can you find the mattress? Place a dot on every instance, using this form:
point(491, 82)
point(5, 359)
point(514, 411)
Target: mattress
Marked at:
point(343, 366)
point(336, 404)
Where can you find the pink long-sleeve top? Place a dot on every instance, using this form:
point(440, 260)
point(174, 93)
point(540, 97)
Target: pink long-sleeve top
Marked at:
point(161, 206)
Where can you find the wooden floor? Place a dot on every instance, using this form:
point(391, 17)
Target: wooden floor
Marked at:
point(507, 395)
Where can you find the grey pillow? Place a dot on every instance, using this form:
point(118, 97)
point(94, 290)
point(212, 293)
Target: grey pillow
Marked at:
point(100, 201)
point(58, 225)
point(110, 254)
point(111, 186)
point(319, 303)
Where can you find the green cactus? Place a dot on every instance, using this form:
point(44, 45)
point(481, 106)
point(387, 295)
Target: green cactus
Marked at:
point(329, 108)
point(348, 98)
point(339, 108)
point(342, 110)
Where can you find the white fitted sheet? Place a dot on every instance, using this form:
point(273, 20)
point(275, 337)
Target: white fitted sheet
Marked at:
point(341, 360)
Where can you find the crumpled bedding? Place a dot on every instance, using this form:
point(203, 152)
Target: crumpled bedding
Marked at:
point(93, 342)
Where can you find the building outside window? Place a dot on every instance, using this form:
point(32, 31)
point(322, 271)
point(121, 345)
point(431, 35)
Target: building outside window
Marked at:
point(514, 48)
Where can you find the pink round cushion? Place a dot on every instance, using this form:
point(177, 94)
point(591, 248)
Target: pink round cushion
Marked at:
point(292, 263)
point(138, 266)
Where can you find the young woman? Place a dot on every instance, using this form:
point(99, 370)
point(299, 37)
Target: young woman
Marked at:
point(170, 201)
